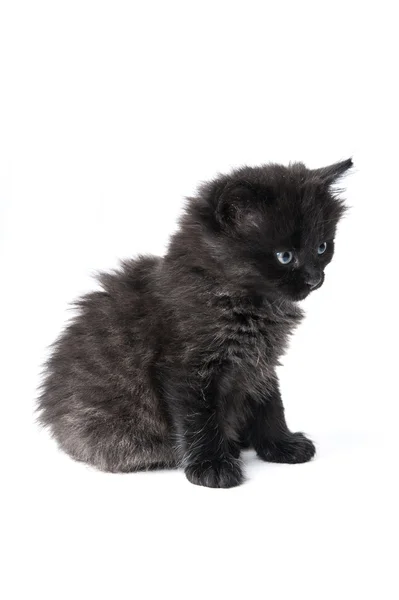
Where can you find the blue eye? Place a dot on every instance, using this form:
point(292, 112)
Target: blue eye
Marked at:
point(285, 257)
point(322, 248)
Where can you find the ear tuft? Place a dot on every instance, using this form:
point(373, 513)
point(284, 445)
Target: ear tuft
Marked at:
point(332, 173)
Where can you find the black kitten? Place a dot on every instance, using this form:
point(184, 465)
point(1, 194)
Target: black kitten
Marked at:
point(174, 362)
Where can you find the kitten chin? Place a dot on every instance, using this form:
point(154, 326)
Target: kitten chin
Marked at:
point(303, 292)
point(173, 363)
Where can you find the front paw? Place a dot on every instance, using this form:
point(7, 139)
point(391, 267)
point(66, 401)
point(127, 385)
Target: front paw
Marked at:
point(292, 448)
point(216, 473)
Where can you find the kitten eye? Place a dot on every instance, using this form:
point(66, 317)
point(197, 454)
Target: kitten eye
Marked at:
point(322, 248)
point(285, 257)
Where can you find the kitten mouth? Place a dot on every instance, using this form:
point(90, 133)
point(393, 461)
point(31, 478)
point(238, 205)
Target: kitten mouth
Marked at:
point(308, 290)
point(304, 293)
point(316, 287)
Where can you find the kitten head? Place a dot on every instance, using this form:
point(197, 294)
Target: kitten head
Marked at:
point(273, 227)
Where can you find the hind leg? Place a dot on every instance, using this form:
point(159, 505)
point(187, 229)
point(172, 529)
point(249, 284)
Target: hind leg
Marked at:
point(111, 444)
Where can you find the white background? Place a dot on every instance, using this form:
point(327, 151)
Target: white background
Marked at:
point(111, 113)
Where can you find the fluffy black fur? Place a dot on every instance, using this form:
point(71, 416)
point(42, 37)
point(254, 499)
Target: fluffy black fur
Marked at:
point(174, 362)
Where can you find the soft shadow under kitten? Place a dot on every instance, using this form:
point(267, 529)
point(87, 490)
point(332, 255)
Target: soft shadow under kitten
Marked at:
point(174, 362)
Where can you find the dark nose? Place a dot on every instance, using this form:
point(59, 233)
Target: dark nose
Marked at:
point(312, 279)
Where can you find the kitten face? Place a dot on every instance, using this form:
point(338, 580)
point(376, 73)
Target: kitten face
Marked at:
point(276, 225)
point(303, 273)
point(293, 242)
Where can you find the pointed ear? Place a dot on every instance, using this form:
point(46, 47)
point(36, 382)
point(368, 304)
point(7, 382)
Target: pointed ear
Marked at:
point(234, 201)
point(331, 174)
